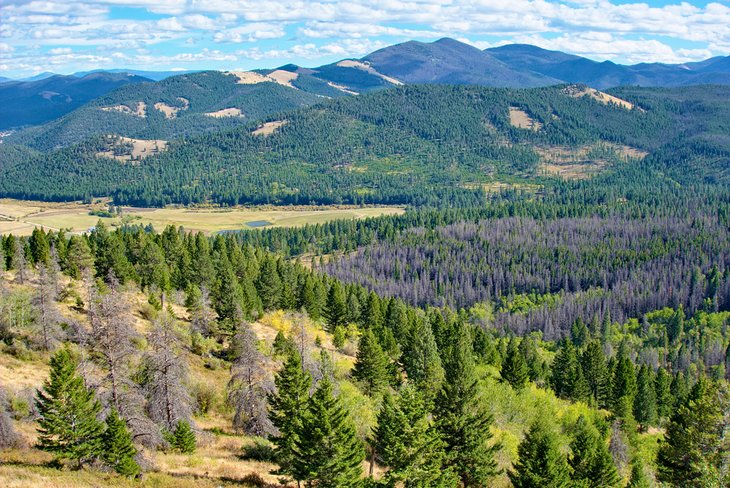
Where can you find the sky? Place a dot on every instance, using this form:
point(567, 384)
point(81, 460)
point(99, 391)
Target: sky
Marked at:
point(65, 36)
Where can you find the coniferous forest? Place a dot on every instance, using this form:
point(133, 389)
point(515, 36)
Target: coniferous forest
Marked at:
point(549, 332)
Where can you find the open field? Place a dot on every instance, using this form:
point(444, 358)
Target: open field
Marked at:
point(21, 217)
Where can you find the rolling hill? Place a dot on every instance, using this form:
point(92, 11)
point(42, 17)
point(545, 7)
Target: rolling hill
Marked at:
point(35, 102)
point(419, 144)
point(175, 107)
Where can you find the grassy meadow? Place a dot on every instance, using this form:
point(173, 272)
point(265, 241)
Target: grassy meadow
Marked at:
point(21, 217)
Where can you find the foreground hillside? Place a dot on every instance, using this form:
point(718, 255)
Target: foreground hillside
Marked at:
point(409, 145)
point(226, 362)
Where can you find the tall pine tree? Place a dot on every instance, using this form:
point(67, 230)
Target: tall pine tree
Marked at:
point(514, 370)
point(540, 463)
point(591, 462)
point(461, 420)
point(118, 450)
point(371, 366)
point(68, 425)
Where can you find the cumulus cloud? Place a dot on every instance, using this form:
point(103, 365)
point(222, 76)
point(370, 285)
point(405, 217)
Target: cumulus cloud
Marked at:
point(312, 29)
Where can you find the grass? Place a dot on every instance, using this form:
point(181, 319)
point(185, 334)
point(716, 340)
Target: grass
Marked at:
point(21, 217)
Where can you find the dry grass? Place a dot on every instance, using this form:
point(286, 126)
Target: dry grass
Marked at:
point(249, 77)
point(353, 63)
point(342, 88)
point(599, 96)
point(576, 162)
point(23, 216)
point(141, 148)
point(283, 77)
point(268, 128)
point(139, 110)
point(171, 111)
point(522, 120)
point(226, 112)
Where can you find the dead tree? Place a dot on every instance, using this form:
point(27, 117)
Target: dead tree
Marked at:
point(249, 386)
point(168, 400)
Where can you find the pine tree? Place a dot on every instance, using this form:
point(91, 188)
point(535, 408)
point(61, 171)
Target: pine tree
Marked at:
point(696, 450)
point(563, 370)
point(406, 443)
point(591, 462)
point(579, 334)
point(421, 360)
point(662, 388)
point(596, 373)
point(327, 452)
point(371, 365)
point(78, 257)
point(638, 476)
point(461, 421)
point(335, 310)
point(287, 407)
point(624, 378)
point(67, 410)
point(182, 439)
point(540, 463)
point(268, 284)
point(645, 404)
point(514, 370)
point(118, 450)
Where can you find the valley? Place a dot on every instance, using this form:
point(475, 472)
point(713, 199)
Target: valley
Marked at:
point(20, 217)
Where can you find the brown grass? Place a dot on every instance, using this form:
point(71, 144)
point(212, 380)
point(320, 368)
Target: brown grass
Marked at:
point(171, 111)
point(283, 77)
point(268, 128)
point(522, 120)
point(599, 96)
point(141, 148)
point(139, 110)
point(226, 112)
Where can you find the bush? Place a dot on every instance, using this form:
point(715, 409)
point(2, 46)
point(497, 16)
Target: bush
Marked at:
point(259, 449)
point(205, 397)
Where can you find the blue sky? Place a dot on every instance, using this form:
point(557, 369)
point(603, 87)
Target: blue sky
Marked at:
point(65, 36)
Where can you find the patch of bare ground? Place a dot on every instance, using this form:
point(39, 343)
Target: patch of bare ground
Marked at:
point(522, 120)
point(342, 88)
point(283, 77)
point(125, 149)
point(139, 110)
point(353, 63)
point(171, 111)
point(268, 128)
point(584, 161)
point(577, 91)
point(226, 112)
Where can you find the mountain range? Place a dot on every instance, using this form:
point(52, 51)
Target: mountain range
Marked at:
point(445, 61)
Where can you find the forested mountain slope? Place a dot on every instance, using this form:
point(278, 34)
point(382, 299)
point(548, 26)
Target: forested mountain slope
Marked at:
point(412, 144)
point(35, 102)
point(175, 107)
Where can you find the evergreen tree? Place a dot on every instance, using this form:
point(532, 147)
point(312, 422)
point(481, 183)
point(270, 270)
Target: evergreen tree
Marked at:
point(287, 407)
point(335, 310)
point(118, 450)
point(461, 421)
point(371, 365)
point(421, 360)
point(624, 378)
point(696, 449)
point(182, 439)
point(662, 388)
point(540, 463)
point(579, 334)
point(638, 477)
point(327, 452)
point(514, 370)
point(645, 404)
point(591, 463)
point(406, 443)
point(40, 250)
point(595, 371)
point(67, 411)
point(269, 285)
point(78, 257)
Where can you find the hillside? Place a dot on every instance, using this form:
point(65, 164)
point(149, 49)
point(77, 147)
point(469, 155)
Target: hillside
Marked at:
point(175, 107)
point(35, 102)
point(412, 145)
